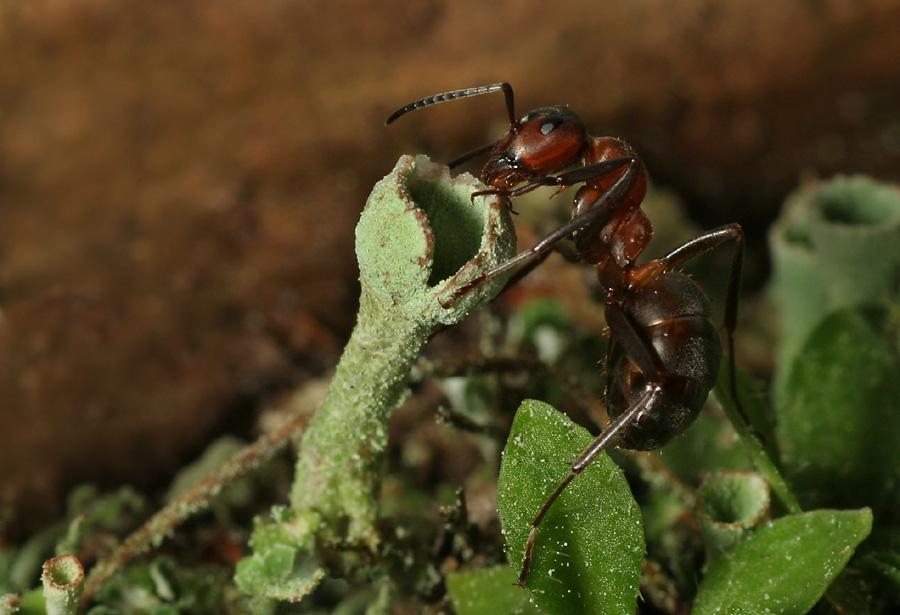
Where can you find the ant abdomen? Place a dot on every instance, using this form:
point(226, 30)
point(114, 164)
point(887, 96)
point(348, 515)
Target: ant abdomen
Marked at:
point(675, 318)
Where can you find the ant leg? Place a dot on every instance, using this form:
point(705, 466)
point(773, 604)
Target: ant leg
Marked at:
point(648, 361)
point(583, 461)
point(699, 245)
point(469, 155)
point(708, 241)
point(564, 180)
point(594, 218)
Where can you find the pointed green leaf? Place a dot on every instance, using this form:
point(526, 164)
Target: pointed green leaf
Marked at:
point(590, 546)
point(785, 566)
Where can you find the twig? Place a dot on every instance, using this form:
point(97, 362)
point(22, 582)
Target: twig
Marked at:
point(193, 501)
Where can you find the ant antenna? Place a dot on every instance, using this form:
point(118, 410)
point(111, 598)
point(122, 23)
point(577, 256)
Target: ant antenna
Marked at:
point(455, 94)
point(469, 155)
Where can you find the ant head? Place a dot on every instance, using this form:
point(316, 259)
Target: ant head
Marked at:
point(538, 144)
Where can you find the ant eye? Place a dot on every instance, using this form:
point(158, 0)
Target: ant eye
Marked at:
point(550, 124)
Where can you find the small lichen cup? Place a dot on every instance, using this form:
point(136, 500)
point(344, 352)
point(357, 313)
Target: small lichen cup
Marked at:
point(730, 506)
point(62, 579)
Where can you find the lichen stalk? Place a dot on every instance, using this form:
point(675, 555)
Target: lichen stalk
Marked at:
point(418, 221)
point(339, 468)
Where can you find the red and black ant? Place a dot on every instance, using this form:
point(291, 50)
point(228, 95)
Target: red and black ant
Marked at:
point(664, 351)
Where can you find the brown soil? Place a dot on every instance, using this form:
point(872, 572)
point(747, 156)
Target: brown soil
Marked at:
point(179, 180)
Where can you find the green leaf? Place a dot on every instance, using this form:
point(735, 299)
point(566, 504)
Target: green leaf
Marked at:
point(785, 566)
point(488, 591)
point(839, 417)
point(590, 546)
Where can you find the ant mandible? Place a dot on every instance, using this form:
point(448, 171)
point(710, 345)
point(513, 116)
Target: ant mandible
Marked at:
point(664, 351)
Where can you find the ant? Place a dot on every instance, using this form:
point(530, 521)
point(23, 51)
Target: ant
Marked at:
point(664, 352)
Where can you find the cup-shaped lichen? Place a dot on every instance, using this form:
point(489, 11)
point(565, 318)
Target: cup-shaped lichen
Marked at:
point(731, 504)
point(9, 604)
point(62, 580)
point(835, 245)
point(421, 238)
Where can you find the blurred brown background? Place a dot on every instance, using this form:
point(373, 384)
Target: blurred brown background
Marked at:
point(180, 179)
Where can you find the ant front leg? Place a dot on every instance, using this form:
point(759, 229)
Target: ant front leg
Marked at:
point(564, 180)
point(594, 217)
